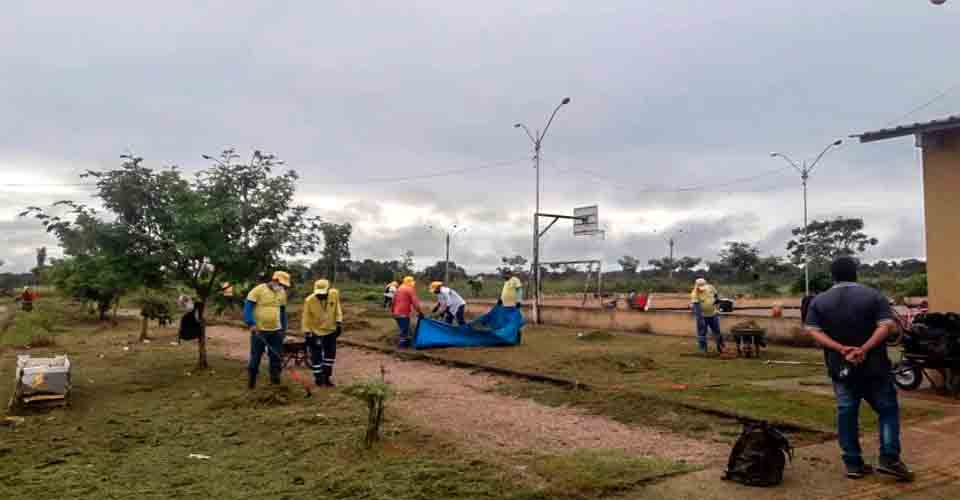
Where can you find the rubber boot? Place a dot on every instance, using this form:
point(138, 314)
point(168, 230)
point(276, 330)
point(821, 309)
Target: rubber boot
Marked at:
point(274, 378)
point(251, 380)
point(327, 374)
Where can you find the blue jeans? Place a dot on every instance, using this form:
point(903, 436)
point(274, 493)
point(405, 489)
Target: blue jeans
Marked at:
point(404, 324)
point(880, 393)
point(258, 347)
point(703, 324)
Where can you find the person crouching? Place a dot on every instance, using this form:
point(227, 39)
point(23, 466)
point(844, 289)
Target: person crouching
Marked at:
point(322, 323)
point(449, 303)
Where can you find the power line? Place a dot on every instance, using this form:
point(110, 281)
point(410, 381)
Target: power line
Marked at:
point(936, 98)
point(679, 189)
point(445, 173)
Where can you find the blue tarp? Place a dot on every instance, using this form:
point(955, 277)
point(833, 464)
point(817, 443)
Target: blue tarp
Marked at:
point(499, 327)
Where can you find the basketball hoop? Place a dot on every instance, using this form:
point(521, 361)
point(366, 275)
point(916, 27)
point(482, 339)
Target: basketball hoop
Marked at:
point(587, 221)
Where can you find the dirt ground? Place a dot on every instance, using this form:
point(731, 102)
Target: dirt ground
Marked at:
point(458, 402)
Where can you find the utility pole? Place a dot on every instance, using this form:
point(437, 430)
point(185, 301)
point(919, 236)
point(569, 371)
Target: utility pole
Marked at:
point(446, 264)
point(805, 170)
point(448, 234)
point(537, 140)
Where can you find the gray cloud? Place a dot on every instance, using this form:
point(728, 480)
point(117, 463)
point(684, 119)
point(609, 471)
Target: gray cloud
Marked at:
point(666, 95)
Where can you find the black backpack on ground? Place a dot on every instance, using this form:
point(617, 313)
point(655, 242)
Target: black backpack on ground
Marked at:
point(759, 456)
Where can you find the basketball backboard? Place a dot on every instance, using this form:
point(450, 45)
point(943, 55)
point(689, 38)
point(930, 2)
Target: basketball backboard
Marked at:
point(587, 222)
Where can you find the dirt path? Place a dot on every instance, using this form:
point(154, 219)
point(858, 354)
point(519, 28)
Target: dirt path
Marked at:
point(457, 402)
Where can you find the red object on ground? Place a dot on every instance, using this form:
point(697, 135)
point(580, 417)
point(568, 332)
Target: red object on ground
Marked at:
point(640, 301)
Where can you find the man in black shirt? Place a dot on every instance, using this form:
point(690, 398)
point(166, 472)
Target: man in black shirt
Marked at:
point(851, 323)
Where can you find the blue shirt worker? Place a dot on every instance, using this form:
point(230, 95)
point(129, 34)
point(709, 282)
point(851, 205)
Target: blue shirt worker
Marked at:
point(851, 322)
point(265, 313)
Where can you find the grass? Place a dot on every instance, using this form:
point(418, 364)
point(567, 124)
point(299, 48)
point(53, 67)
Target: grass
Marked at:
point(596, 473)
point(138, 412)
point(657, 380)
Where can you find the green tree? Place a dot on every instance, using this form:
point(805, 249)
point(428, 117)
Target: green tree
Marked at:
point(516, 265)
point(740, 256)
point(336, 247)
point(437, 271)
point(629, 264)
point(97, 268)
point(829, 239)
point(406, 262)
point(687, 264)
point(665, 265)
point(41, 263)
point(231, 221)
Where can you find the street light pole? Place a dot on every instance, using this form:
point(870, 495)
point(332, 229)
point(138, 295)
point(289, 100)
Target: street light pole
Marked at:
point(805, 170)
point(537, 140)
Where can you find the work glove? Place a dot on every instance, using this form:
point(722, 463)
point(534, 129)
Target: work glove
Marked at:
point(339, 328)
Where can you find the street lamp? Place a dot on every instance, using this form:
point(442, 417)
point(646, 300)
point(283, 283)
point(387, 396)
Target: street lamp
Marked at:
point(448, 234)
point(537, 140)
point(805, 170)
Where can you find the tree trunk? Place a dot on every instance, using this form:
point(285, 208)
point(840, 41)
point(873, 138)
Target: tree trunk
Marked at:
point(143, 328)
point(202, 341)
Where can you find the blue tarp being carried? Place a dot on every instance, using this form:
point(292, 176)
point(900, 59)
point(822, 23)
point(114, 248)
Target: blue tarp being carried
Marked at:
point(499, 327)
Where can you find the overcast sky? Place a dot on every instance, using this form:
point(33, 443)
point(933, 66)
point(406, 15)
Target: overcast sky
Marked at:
point(675, 109)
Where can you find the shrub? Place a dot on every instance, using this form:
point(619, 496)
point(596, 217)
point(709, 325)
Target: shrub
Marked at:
point(914, 286)
point(374, 392)
point(765, 289)
point(819, 282)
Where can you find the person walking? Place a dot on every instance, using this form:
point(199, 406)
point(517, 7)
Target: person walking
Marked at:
point(265, 313)
point(388, 292)
point(512, 293)
point(27, 298)
point(404, 303)
point(449, 303)
point(703, 301)
point(851, 322)
point(322, 324)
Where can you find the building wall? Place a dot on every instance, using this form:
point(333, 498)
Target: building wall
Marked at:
point(941, 186)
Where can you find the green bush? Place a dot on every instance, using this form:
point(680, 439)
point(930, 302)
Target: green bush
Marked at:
point(819, 282)
point(765, 289)
point(25, 327)
point(914, 286)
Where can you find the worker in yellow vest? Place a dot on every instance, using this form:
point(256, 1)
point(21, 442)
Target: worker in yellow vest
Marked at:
point(322, 323)
point(265, 312)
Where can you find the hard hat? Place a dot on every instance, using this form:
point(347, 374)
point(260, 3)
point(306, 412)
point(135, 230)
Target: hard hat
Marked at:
point(282, 277)
point(321, 287)
point(435, 286)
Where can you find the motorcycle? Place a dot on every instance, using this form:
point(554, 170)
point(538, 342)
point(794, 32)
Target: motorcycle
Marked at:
point(931, 343)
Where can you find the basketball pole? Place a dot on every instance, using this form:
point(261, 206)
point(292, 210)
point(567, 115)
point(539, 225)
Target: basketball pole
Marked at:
point(537, 140)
